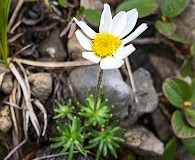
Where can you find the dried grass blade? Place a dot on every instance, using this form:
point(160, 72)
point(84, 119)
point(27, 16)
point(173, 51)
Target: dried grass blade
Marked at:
point(15, 149)
point(28, 106)
point(53, 64)
point(12, 99)
point(42, 108)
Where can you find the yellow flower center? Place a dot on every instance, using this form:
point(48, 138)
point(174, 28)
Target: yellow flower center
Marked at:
point(187, 104)
point(105, 44)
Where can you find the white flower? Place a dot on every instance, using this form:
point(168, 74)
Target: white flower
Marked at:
point(108, 47)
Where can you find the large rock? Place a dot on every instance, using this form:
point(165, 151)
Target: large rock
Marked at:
point(41, 85)
point(115, 89)
point(147, 97)
point(161, 125)
point(53, 47)
point(146, 94)
point(143, 142)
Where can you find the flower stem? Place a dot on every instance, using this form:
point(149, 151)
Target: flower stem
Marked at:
point(98, 87)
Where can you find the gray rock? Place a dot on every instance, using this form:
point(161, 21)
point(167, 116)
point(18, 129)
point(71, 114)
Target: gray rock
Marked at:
point(115, 89)
point(41, 85)
point(53, 47)
point(161, 125)
point(143, 142)
point(147, 97)
point(7, 84)
point(164, 66)
point(146, 94)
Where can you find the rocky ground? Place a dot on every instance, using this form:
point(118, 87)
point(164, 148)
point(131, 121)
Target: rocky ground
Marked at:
point(147, 125)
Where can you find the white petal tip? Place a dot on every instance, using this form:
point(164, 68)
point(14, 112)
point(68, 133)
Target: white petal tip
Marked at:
point(111, 63)
point(91, 56)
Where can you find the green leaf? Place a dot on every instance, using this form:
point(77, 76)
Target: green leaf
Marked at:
point(57, 144)
point(144, 7)
point(189, 145)
point(92, 16)
point(186, 67)
point(178, 38)
point(192, 49)
point(177, 91)
point(172, 8)
point(190, 116)
point(192, 98)
point(112, 150)
point(170, 150)
point(80, 147)
point(66, 147)
point(62, 3)
point(165, 28)
point(100, 148)
point(4, 12)
point(70, 155)
point(180, 129)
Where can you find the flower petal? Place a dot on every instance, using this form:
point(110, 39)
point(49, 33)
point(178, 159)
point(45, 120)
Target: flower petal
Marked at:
point(135, 34)
point(86, 29)
point(91, 56)
point(106, 19)
point(118, 23)
point(118, 51)
point(132, 17)
point(126, 51)
point(84, 41)
point(111, 63)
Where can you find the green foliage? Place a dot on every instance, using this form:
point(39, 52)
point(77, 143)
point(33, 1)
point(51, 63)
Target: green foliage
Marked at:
point(190, 116)
point(181, 94)
point(178, 38)
point(144, 7)
point(106, 139)
point(172, 8)
point(4, 12)
point(186, 67)
point(95, 130)
point(170, 150)
point(180, 128)
point(166, 29)
point(63, 3)
point(98, 114)
point(192, 49)
point(189, 145)
point(64, 111)
point(177, 91)
point(192, 98)
point(71, 137)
